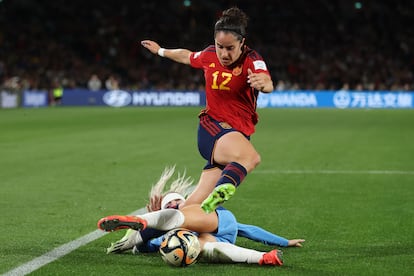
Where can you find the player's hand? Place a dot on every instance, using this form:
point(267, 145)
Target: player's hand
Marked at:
point(257, 80)
point(152, 46)
point(296, 242)
point(155, 203)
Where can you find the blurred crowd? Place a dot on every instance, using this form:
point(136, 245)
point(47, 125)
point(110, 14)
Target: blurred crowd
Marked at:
point(358, 45)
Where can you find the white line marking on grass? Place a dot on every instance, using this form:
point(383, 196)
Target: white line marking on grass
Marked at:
point(60, 251)
point(333, 172)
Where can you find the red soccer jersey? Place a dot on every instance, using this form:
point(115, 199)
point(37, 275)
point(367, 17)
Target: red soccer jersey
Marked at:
point(229, 98)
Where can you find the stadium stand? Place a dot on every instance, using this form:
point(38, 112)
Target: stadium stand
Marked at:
point(312, 45)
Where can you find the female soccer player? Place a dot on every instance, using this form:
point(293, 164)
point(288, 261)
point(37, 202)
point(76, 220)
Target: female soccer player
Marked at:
point(234, 75)
point(217, 230)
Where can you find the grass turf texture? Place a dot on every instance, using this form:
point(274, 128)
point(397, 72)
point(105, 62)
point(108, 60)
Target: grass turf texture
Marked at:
point(61, 169)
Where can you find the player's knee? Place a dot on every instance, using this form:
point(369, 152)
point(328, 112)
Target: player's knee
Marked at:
point(252, 162)
point(256, 160)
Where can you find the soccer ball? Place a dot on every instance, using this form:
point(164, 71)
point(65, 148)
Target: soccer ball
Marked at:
point(180, 247)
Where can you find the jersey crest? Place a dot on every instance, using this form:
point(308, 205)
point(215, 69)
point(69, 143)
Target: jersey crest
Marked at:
point(225, 125)
point(237, 70)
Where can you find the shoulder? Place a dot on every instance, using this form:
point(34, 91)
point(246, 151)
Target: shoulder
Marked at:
point(204, 56)
point(210, 48)
point(208, 51)
point(255, 60)
point(252, 54)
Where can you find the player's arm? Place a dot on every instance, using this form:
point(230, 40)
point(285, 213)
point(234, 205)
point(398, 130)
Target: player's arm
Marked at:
point(258, 234)
point(177, 55)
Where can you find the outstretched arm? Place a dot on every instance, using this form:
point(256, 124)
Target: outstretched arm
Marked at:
point(296, 242)
point(177, 55)
point(258, 234)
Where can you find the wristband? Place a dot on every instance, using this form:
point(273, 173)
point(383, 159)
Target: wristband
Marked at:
point(161, 52)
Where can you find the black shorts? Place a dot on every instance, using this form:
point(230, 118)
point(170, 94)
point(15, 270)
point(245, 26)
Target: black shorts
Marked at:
point(209, 131)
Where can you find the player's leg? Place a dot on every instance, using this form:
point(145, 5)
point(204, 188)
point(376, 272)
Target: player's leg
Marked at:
point(235, 147)
point(222, 252)
point(128, 241)
point(133, 238)
point(190, 217)
point(213, 251)
point(162, 220)
point(206, 184)
point(197, 220)
point(235, 150)
point(218, 246)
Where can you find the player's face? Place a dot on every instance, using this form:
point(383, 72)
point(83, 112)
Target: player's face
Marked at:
point(173, 204)
point(228, 47)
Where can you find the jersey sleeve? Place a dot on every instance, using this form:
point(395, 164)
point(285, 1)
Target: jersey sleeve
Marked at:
point(257, 64)
point(258, 234)
point(196, 59)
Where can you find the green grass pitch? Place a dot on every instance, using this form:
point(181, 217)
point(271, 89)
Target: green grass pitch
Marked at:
point(341, 179)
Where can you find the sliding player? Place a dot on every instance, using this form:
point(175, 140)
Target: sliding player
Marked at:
point(217, 230)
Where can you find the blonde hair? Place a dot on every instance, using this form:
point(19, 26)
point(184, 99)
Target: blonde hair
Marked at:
point(180, 185)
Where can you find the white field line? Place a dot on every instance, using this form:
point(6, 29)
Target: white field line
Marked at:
point(60, 251)
point(384, 172)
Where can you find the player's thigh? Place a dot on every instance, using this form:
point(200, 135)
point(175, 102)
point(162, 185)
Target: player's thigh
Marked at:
point(234, 146)
point(199, 221)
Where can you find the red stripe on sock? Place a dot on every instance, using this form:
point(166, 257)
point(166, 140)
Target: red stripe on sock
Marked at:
point(237, 170)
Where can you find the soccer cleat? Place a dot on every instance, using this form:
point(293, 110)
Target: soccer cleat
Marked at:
point(218, 196)
point(273, 257)
point(113, 223)
point(125, 243)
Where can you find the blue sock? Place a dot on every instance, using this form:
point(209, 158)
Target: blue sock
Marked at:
point(150, 233)
point(233, 173)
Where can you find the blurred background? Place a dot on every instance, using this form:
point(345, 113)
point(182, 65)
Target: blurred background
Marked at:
point(312, 45)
